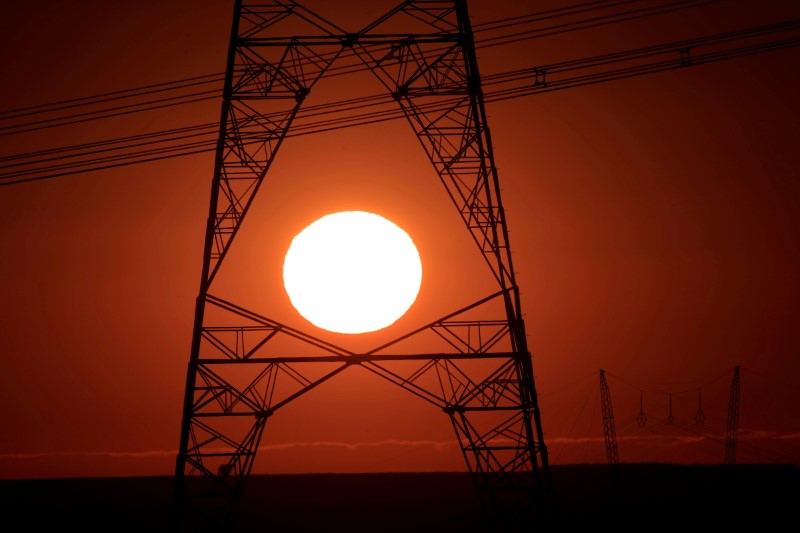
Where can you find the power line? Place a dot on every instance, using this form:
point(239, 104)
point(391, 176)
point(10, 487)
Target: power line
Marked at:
point(69, 160)
point(335, 71)
point(375, 109)
point(596, 22)
point(111, 96)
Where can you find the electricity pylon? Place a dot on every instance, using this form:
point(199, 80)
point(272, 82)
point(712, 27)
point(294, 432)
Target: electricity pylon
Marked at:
point(732, 430)
point(609, 426)
point(477, 368)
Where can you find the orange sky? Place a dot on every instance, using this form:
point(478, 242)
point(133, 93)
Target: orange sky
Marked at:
point(653, 222)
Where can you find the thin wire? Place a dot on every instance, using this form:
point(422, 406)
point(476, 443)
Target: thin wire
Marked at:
point(116, 95)
point(93, 146)
point(379, 116)
point(346, 69)
point(595, 22)
point(639, 387)
point(376, 117)
point(105, 113)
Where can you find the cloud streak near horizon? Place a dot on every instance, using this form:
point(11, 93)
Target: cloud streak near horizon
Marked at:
point(430, 444)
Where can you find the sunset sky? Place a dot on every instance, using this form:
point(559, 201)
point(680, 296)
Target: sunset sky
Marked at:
point(654, 225)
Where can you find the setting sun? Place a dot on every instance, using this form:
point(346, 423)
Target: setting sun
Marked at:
point(352, 272)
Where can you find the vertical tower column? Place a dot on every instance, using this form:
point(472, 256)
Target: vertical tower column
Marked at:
point(230, 390)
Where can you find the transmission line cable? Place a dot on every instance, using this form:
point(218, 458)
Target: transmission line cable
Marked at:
point(522, 82)
point(343, 69)
point(491, 96)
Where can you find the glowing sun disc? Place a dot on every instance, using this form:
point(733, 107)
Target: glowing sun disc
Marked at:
point(352, 272)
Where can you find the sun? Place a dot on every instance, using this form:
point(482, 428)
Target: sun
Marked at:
point(352, 272)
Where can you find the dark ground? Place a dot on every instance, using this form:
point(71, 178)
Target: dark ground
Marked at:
point(626, 497)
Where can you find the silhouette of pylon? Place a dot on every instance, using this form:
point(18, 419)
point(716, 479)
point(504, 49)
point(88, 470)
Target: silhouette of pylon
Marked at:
point(476, 366)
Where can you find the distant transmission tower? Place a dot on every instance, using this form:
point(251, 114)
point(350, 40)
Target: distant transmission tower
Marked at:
point(700, 417)
point(733, 420)
point(477, 369)
point(609, 428)
point(641, 418)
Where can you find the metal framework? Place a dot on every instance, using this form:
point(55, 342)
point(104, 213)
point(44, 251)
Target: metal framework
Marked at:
point(732, 431)
point(478, 368)
point(700, 416)
point(609, 427)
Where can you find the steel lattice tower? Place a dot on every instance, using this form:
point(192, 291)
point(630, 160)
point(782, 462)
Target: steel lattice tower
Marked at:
point(733, 419)
point(609, 427)
point(479, 370)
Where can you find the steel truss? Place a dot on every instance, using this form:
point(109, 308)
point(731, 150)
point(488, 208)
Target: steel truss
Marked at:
point(733, 419)
point(478, 370)
point(609, 426)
